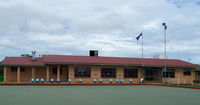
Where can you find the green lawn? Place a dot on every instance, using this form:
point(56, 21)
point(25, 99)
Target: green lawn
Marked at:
point(185, 85)
point(189, 85)
point(98, 95)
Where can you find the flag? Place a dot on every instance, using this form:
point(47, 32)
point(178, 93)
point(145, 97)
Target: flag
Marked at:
point(138, 37)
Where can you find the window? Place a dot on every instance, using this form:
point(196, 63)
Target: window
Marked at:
point(61, 70)
point(13, 69)
point(82, 72)
point(198, 72)
point(22, 69)
point(54, 70)
point(108, 72)
point(170, 73)
point(187, 72)
point(130, 73)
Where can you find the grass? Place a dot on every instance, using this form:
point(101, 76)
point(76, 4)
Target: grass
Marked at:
point(98, 95)
point(185, 85)
point(1, 78)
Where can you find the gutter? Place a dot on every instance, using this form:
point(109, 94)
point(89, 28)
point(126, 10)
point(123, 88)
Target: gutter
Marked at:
point(20, 65)
point(96, 64)
point(110, 64)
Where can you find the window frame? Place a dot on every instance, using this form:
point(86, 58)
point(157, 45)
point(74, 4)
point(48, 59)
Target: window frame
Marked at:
point(108, 72)
point(84, 73)
point(187, 72)
point(170, 73)
point(13, 69)
point(198, 73)
point(134, 73)
point(54, 71)
point(22, 69)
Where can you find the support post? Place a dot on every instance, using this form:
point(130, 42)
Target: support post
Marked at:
point(178, 78)
point(18, 74)
point(193, 77)
point(58, 72)
point(47, 79)
point(5, 74)
point(33, 73)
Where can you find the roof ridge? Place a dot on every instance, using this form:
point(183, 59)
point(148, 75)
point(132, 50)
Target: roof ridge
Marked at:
point(88, 59)
point(110, 57)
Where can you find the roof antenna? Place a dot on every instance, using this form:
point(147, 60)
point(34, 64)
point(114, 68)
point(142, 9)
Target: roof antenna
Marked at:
point(33, 55)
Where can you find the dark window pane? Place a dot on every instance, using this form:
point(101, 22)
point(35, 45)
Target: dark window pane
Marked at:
point(13, 69)
point(61, 70)
point(170, 73)
point(187, 72)
point(82, 72)
point(130, 73)
point(54, 70)
point(22, 69)
point(198, 73)
point(108, 72)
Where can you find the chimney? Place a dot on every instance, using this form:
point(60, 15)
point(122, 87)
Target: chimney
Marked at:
point(93, 53)
point(33, 55)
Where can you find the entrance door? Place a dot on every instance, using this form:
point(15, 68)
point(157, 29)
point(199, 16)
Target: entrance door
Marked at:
point(64, 73)
point(197, 75)
point(149, 75)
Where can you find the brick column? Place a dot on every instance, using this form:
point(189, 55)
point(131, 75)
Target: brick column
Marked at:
point(71, 72)
point(58, 72)
point(141, 73)
point(95, 72)
point(5, 73)
point(120, 72)
point(47, 79)
point(33, 73)
point(18, 74)
point(193, 77)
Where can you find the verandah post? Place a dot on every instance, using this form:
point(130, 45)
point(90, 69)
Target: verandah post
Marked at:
point(33, 73)
point(5, 73)
point(18, 74)
point(58, 72)
point(47, 75)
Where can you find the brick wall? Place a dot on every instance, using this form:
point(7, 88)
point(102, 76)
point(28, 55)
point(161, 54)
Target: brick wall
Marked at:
point(68, 72)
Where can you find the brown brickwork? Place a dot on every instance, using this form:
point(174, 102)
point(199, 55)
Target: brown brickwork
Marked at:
point(67, 71)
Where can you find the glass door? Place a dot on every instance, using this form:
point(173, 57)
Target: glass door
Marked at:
point(149, 75)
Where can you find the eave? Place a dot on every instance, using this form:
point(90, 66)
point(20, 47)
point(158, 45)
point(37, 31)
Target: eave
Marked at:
point(21, 65)
point(110, 64)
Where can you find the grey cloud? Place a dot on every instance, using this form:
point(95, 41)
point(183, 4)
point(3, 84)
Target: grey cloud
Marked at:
point(76, 26)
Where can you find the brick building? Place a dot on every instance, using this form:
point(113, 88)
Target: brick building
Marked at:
point(95, 69)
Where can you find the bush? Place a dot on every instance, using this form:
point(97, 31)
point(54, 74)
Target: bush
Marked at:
point(1, 78)
point(1, 70)
point(1, 73)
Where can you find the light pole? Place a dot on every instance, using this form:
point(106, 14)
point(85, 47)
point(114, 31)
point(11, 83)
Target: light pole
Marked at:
point(165, 42)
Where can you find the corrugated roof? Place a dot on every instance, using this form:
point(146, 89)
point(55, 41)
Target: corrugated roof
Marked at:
point(45, 59)
point(113, 60)
point(21, 61)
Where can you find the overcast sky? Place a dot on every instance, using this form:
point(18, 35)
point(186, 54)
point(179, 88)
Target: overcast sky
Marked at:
point(76, 26)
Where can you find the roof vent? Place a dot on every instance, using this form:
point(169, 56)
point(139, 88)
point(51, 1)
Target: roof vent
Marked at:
point(26, 55)
point(33, 55)
point(159, 56)
point(94, 53)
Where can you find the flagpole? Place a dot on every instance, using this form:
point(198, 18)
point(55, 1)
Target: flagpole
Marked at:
point(142, 49)
point(165, 42)
point(138, 37)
